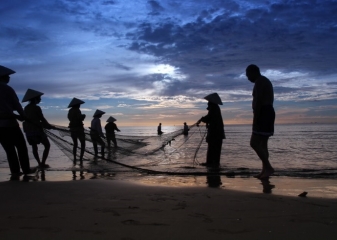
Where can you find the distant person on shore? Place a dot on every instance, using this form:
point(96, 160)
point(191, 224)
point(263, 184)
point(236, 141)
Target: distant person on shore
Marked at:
point(110, 129)
point(96, 133)
point(186, 129)
point(215, 130)
point(11, 137)
point(76, 127)
point(159, 129)
point(264, 117)
point(34, 125)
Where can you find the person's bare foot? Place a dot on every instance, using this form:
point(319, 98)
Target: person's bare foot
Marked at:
point(260, 174)
point(267, 173)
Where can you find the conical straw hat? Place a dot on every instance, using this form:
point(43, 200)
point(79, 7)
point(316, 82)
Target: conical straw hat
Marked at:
point(30, 94)
point(98, 113)
point(74, 102)
point(214, 98)
point(111, 119)
point(5, 71)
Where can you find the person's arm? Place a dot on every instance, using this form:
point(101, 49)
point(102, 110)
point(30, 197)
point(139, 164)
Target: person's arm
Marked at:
point(17, 106)
point(44, 122)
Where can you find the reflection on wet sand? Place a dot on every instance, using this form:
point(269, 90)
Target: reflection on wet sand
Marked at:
point(267, 186)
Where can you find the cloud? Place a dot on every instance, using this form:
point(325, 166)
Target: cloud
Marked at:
point(165, 54)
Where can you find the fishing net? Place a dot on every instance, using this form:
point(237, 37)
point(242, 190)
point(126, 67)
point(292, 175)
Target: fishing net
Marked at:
point(170, 153)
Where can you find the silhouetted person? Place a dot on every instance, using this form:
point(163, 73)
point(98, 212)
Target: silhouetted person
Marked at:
point(264, 117)
point(96, 133)
point(159, 129)
point(215, 130)
point(11, 137)
point(186, 129)
point(34, 125)
point(76, 127)
point(110, 129)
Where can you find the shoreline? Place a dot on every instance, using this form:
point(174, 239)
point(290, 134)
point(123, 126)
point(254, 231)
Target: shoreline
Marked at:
point(115, 209)
point(276, 185)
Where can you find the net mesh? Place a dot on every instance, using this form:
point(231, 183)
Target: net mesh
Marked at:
point(151, 154)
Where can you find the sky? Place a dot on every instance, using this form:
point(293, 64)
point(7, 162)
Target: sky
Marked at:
point(145, 62)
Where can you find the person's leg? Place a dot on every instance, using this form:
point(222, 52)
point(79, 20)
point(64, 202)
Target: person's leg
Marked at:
point(36, 153)
point(95, 147)
point(82, 141)
point(102, 143)
point(260, 145)
point(21, 147)
point(45, 142)
point(114, 141)
point(217, 153)
point(214, 153)
point(108, 140)
point(210, 154)
point(6, 141)
point(74, 138)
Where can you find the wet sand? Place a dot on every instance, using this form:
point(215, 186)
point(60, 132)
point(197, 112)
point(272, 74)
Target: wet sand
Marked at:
point(107, 207)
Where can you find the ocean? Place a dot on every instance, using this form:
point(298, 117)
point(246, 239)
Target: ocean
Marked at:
point(298, 150)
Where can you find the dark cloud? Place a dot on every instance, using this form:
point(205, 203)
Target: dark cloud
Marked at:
point(155, 7)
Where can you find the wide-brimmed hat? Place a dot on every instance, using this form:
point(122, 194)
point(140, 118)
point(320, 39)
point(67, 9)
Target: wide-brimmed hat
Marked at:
point(75, 102)
point(214, 98)
point(98, 113)
point(111, 119)
point(5, 71)
point(30, 94)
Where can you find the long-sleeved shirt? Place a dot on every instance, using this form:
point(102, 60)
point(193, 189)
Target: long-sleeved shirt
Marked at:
point(110, 128)
point(35, 119)
point(9, 102)
point(76, 119)
point(96, 126)
point(214, 122)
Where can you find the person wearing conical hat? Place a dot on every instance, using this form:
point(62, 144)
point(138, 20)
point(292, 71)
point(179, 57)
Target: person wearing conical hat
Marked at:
point(215, 130)
point(76, 127)
point(34, 124)
point(96, 133)
point(110, 129)
point(11, 136)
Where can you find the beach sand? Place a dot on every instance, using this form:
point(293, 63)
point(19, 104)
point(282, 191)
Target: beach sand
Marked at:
point(155, 208)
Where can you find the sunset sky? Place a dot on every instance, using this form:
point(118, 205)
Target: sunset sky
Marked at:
point(145, 62)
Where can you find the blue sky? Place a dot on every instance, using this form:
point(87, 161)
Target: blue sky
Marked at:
point(145, 62)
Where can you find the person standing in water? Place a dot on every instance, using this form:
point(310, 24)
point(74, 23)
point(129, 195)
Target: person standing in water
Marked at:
point(11, 137)
point(96, 133)
point(186, 129)
point(159, 129)
point(215, 130)
point(110, 129)
point(76, 127)
point(34, 125)
point(264, 117)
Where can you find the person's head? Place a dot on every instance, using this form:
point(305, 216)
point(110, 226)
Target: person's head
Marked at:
point(184, 123)
point(35, 100)
point(159, 123)
point(32, 96)
point(5, 74)
point(253, 72)
point(211, 105)
point(5, 79)
point(75, 103)
point(98, 113)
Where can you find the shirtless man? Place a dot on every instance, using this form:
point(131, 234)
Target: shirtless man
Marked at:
point(264, 117)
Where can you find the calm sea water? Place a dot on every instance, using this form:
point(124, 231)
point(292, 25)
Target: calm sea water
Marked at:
point(295, 150)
